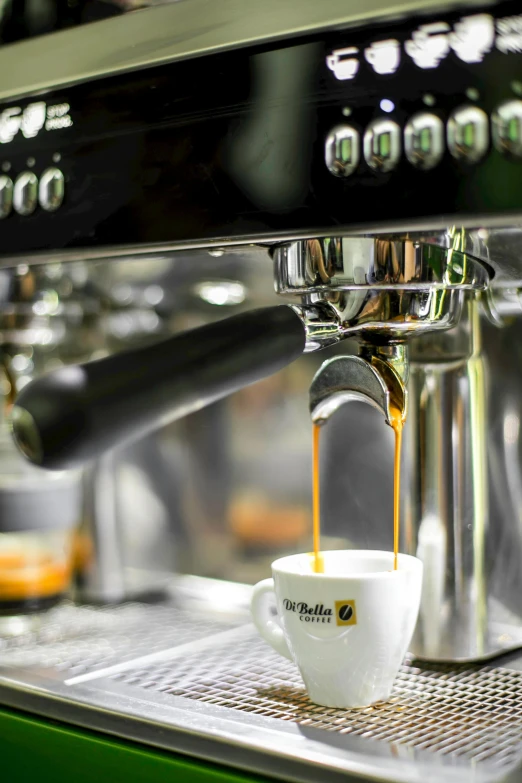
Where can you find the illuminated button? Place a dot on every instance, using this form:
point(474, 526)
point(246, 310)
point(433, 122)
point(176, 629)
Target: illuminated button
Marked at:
point(507, 128)
point(25, 195)
point(6, 196)
point(342, 150)
point(468, 134)
point(382, 145)
point(51, 189)
point(424, 140)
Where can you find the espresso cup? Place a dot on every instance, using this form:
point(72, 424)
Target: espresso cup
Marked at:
point(347, 629)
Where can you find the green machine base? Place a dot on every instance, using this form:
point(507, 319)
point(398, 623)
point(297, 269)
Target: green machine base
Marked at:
point(33, 750)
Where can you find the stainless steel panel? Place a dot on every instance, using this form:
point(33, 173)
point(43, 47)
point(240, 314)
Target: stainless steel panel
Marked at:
point(180, 31)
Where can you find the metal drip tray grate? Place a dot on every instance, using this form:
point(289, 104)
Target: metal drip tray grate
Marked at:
point(79, 640)
point(168, 676)
point(466, 711)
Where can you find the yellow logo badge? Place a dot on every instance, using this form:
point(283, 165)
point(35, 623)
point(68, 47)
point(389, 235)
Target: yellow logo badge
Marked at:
point(345, 613)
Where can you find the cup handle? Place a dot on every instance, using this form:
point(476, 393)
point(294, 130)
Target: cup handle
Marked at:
point(331, 61)
point(267, 624)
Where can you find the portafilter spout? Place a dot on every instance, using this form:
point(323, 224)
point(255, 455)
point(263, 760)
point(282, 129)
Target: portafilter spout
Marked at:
point(378, 376)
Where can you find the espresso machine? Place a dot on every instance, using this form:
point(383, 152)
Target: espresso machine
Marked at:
point(345, 179)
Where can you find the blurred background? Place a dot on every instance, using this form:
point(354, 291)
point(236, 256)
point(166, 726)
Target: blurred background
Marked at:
point(21, 19)
point(224, 491)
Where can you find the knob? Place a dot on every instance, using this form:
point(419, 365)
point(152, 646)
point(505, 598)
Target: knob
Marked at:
point(507, 128)
point(468, 134)
point(51, 190)
point(25, 194)
point(382, 145)
point(424, 140)
point(341, 150)
point(6, 196)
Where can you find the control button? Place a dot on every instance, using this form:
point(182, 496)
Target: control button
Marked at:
point(6, 196)
point(382, 145)
point(51, 189)
point(342, 151)
point(25, 195)
point(507, 128)
point(424, 140)
point(468, 134)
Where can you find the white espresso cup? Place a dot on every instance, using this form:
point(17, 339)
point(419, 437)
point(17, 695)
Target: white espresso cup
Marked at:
point(346, 629)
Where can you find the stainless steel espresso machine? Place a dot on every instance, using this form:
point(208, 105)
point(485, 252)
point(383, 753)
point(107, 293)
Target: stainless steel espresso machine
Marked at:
point(366, 161)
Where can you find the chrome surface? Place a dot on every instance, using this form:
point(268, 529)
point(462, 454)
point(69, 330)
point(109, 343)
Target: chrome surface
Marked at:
point(322, 325)
point(376, 379)
point(382, 145)
point(502, 304)
point(342, 150)
point(347, 379)
point(468, 134)
point(498, 247)
point(445, 491)
point(51, 189)
point(390, 288)
point(6, 195)
point(166, 676)
point(424, 140)
point(484, 238)
point(103, 578)
point(180, 31)
point(25, 193)
point(356, 263)
point(507, 114)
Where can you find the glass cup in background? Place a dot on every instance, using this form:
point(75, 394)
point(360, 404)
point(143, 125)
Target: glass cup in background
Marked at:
point(39, 512)
point(35, 570)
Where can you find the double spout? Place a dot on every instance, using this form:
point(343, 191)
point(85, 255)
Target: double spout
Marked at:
point(378, 376)
point(381, 291)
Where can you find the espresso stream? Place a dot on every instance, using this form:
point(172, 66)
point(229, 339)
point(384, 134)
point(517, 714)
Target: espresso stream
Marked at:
point(397, 423)
point(318, 558)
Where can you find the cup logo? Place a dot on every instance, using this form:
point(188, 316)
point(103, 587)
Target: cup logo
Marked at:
point(384, 56)
point(429, 44)
point(345, 613)
point(343, 63)
point(318, 613)
point(473, 37)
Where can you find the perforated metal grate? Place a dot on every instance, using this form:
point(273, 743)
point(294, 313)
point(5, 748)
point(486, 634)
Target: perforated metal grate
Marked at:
point(472, 712)
point(79, 640)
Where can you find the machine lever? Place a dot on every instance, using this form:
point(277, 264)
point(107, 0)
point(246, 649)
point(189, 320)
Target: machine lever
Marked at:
point(76, 413)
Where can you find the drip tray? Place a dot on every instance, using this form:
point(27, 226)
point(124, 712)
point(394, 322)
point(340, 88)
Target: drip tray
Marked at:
point(464, 712)
point(218, 692)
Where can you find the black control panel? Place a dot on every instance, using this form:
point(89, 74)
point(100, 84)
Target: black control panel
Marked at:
point(407, 124)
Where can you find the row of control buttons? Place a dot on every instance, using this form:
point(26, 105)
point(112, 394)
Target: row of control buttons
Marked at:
point(467, 135)
point(26, 192)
